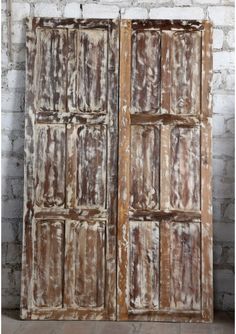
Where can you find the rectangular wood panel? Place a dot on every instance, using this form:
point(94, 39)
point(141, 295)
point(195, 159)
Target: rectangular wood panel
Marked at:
point(48, 263)
point(181, 66)
point(144, 169)
point(51, 60)
point(146, 70)
point(85, 279)
point(185, 284)
point(50, 158)
point(185, 168)
point(144, 265)
point(88, 63)
point(91, 148)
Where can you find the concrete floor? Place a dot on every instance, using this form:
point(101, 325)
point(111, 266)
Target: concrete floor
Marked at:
point(11, 324)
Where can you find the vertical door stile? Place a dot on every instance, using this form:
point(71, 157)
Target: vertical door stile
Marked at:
point(124, 167)
point(165, 266)
point(206, 174)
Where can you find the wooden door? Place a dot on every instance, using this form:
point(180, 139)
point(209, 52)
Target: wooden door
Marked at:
point(164, 203)
point(71, 141)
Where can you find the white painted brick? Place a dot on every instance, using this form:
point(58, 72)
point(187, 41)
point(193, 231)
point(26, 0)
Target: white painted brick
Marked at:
point(229, 212)
point(185, 13)
point(223, 60)
point(6, 143)
point(230, 82)
point(218, 38)
point(218, 167)
point(230, 125)
point(13, 121)
point(16, 79)
point(230, 39)
point(12, 101)
point(221, 15)
point(3, 12)
point(223, 104)
point(228, 301)
point(230, 168)
point(135, 13)
point(204, 2)
point(100, 11)
point(10, 231)
point(224, 280)
point(12, 166)
point(223, 147)
point(218, 125)
point(46, 10)
point(182, 2)
point(12, 208)
point(12, 253)
point(18, 33)
point(18, 145)
point(217, 252)
point(222, 189)
point(20, 10)
point(223, 232)
point(17, 185)
point(72, 10)
point(18, 53)
point(4, 56)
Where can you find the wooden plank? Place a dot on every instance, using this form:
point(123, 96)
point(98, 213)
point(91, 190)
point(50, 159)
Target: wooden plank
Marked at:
point(124, 168)
point(165, 269)
point(91, 164)
point(181, 67)
point(206, 176)
point(165, 168)
point(144, 167)
point(145, 97)
point(185, 168)
point(144, 265)
point(165, 119)
point(85, 280)
point(28, 215)
point(51, 72)
point(185, 280)
point(175, 215)
point(50, 165)
point(70, 118)
point(48, 263)
point(173, 25)
point(87, 89)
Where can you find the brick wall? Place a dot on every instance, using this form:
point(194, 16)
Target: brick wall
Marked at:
point(221, 12)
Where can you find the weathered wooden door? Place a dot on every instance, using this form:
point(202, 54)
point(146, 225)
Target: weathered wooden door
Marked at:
point(69, 246)
point(164, 205)
point(73, 244)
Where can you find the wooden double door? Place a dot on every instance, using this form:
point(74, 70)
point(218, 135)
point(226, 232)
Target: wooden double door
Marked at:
point(117, 197)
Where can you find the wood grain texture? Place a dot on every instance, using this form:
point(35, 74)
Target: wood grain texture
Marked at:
point(144, 265)
point(185, 280)
point(88, 61)
point(158, 238)
point(181, 68)
point(206, 175)
point(144, 167)
point(48, 263)
point(91, 148)
point(61, 131)
point(85, 279)
point(185, 168)
point(145, 79)
point(50, 165)
point(51, 75)
point(124, 169)
point(184, 127)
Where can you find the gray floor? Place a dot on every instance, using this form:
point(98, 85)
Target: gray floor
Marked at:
point(223, 324)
